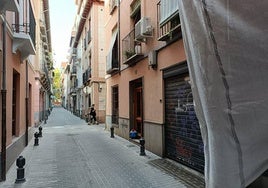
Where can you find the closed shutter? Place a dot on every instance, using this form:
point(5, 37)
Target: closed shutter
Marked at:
point(183, 142)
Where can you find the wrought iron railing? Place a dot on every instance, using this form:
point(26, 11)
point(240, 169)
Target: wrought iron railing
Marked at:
point(27, 28)
point(130, 47)
point(74, 70)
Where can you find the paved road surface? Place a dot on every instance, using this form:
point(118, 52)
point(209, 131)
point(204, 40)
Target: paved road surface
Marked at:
point(72, 154)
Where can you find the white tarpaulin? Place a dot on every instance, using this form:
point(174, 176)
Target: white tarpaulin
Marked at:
point(226, 43)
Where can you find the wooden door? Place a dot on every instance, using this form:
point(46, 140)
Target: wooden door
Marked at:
point(138, 111)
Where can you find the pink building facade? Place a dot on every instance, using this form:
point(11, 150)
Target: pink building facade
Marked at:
point(20, 74)
point(148, 84)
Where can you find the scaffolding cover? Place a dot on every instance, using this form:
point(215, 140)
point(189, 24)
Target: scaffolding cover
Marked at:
point(226, 43)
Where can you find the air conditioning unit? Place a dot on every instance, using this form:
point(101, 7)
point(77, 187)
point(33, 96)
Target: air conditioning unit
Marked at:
point(152, 59)
point(143, 29)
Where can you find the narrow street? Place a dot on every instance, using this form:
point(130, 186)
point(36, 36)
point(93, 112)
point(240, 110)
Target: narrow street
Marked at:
point(72, 154)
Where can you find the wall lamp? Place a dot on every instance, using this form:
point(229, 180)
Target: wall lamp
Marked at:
point(99, 87)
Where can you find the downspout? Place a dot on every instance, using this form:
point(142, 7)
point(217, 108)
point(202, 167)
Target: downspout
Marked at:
point(27, 105)
point(118, 39)
point(4, 93)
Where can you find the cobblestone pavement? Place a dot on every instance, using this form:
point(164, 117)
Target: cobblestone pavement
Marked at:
point(72, 154)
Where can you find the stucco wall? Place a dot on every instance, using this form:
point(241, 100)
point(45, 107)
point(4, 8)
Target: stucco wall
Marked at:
point(152, 79)
point(153, 134)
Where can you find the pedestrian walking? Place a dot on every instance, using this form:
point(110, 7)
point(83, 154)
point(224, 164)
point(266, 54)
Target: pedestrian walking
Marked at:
point(92, 115)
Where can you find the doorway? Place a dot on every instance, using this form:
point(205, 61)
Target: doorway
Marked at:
point(15, 102)
point(136, 107)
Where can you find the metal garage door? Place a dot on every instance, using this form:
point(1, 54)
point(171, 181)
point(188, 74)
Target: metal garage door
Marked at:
point(183, 142)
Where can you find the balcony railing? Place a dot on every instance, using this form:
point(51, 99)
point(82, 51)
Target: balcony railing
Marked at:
point(132, 50)
point(168, 20)
point(74, 52)
point(24, 36)
point(73, 71)
point(73, 90)
point(45, 78)
point(86, 75)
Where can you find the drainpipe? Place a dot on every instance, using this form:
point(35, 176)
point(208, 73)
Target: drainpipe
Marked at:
point(3, 92)
point(118, 39)
point(27, 105)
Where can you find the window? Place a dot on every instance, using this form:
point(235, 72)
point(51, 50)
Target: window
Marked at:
point(135, 11)
point(168, 8)
point(168, 20)
point(112, 63)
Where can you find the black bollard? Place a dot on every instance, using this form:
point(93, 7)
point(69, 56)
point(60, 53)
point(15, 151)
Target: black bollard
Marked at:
point(36, 140)
point(142, 147)
point(40, 131)
point(112, 132)
point(20, 170)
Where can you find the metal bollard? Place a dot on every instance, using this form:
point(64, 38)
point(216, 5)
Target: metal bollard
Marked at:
point(112, 132)
point(20, 162)
point(36, 140)
point(40, 131)
point(142, 147)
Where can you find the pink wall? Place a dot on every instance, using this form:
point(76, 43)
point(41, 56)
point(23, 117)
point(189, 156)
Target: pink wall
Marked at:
point(153, 100)
point(14, 63)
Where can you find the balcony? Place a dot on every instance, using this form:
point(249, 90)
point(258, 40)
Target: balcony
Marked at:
point(22, 40)
point(42, 27)
point(10, 5)
point(24, 34)
point(169, 20)
point(44, 77)
point(86, 76)
point(74, 52)
point(73, 71)
point(73, 91)
point(132, 50)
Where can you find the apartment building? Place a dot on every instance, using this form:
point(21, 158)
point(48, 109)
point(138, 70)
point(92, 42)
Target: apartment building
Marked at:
point(44, 66)
point(25, 85)
point(86, 69)
point(148, 84)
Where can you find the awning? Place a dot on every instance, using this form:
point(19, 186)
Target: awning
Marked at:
point(110, 54)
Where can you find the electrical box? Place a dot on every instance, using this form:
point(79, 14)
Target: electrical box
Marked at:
point(152, 58)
